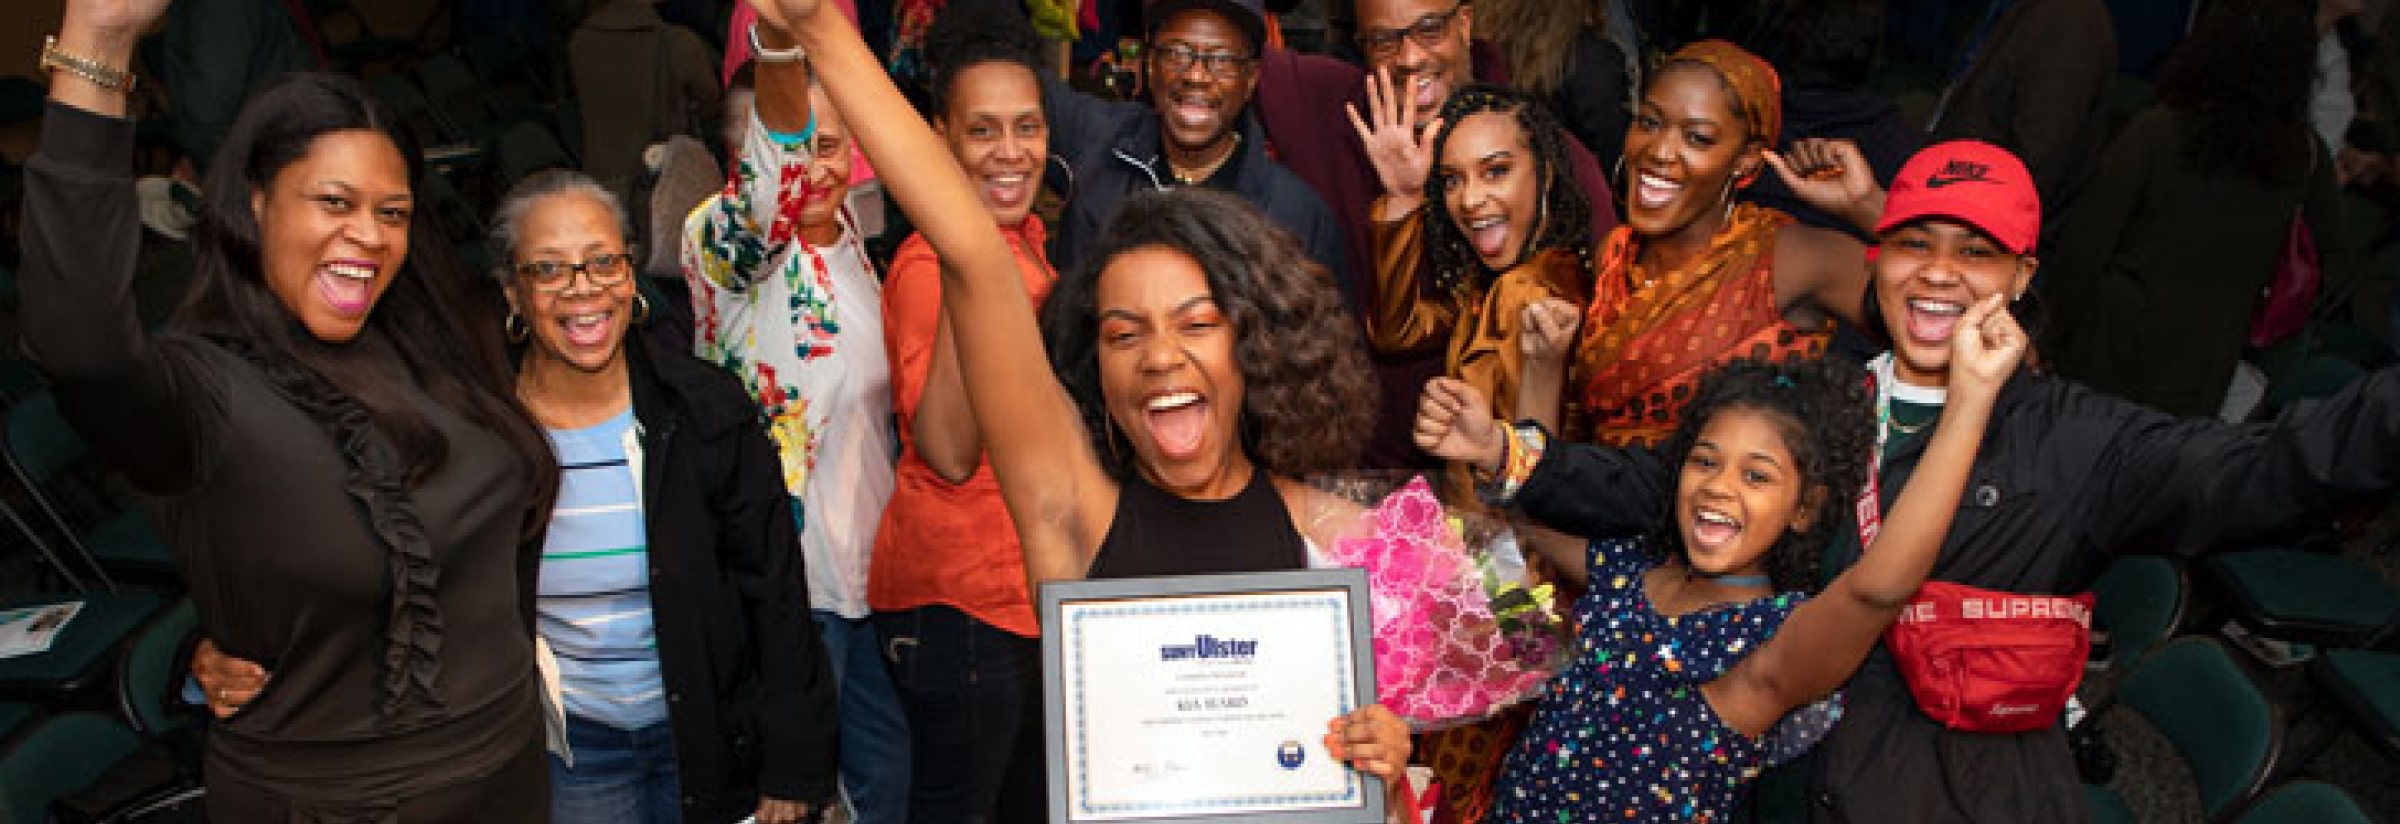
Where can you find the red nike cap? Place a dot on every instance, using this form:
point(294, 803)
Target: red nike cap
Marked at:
point(1972, 182)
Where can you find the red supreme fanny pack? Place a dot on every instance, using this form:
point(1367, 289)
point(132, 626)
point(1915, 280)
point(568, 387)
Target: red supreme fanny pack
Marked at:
point(1985, 661)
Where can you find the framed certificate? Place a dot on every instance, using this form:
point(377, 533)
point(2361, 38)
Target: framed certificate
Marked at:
point(1205, 698)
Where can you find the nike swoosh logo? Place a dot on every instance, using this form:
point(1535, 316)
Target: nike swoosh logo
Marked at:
point(1938, 181)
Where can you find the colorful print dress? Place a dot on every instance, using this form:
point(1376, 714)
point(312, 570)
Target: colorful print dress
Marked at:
point(1624, 734)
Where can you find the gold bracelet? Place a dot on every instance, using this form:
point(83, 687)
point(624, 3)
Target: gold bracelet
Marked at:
point(93, 71)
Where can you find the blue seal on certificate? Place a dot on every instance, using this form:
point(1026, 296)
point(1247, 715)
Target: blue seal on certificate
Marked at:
point(1290, 755)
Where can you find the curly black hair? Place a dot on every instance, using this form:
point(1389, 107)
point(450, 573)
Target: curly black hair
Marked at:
point(1826, 413)
point(970, 33)
point(1564, 214)
point(1309, 395)
point(2238, 88)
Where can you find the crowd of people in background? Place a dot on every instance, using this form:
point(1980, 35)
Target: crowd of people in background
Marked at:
point(759, 427)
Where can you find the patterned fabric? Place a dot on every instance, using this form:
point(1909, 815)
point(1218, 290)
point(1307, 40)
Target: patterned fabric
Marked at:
point(1625, 734)
point(802, 326)
point(594, 604)
point(1647, 339)
point(1757, 89)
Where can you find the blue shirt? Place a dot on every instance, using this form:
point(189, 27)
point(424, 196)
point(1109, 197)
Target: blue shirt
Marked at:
point(594, 601)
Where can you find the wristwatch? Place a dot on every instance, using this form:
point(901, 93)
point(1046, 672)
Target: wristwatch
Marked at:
point(762, 54)
point(99, 74)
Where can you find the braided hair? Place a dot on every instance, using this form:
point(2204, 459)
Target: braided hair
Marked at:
point(1563, 214)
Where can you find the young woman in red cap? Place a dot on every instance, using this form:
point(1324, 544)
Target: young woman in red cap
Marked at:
point(2064, 478)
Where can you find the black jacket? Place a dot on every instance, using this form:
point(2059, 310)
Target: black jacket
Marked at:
point(2065, 478)
point(1112, 149)
point(750, 696)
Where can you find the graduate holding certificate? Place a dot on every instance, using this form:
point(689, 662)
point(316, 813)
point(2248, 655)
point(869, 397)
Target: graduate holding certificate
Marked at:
point(1177, 385)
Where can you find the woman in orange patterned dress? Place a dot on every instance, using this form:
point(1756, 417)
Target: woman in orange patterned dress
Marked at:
point(1694, 278)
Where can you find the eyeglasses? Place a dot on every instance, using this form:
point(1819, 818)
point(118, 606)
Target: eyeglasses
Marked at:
point(1428, 32)
point(1178, 58)
point(603, 271)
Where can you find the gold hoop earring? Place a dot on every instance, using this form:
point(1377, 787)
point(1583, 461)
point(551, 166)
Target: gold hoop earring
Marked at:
point(1616, 174)
point(1728, 198)
point(641, 308)
point(513, 326)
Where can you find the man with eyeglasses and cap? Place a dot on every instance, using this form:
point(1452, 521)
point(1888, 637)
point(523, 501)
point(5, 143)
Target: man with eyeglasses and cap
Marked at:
point(1201, 68)
point(1428, 49)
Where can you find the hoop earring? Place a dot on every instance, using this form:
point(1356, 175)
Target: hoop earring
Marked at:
point(1616, 174)
point(1727, 196)
point(641, 309)
point(514, 328)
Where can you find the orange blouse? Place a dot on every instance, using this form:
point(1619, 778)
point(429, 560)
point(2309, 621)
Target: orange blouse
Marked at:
point(945, 543)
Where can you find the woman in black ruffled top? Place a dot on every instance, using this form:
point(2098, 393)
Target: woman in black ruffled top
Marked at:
point(328, 423)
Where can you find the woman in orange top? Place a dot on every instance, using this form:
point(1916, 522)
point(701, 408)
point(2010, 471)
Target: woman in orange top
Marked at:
point(1693, 279)
point(947, 580)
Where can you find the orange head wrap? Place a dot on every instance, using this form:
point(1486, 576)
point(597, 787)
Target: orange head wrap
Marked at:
point(1757, 90)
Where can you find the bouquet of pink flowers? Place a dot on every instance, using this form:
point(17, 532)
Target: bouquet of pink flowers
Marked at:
point(1461, 631)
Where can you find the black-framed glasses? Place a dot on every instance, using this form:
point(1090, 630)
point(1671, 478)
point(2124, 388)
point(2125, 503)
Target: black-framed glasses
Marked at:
point(1428, 31)
point(603, 270)
point(1177, 58)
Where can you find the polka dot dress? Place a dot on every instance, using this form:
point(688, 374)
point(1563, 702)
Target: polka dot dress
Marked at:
point(1624, 734)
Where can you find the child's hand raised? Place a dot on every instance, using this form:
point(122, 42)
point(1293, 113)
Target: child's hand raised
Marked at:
point(1454, 423)
point(1549, 331)
point(1985, 349)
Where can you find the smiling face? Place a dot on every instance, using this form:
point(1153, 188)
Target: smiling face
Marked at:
point(1168, 375)
point(333, 230)
point(1199, 109)
point(1926, 275)
point(1492, 186)
point(1394, 34)
point(996, 129)
point(573, 320)
point(1687, 141)
point(828, 171)
point(1740, 491)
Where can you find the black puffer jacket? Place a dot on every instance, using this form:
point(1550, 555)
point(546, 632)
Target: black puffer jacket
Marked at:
point(750, 696)
point(2066, 477)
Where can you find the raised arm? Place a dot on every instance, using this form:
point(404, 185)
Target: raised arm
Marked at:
point(1403, 319)
point(81, 236)
point(731, 238)
point(1820, 272)
point(1826, 637)
point(928, 395)
point(1052, 482)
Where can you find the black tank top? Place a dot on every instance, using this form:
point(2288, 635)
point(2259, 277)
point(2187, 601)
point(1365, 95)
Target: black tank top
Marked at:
point(1157, 533)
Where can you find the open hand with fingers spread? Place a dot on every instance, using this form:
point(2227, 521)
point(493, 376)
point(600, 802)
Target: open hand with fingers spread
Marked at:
point(1549, 332)
point(1454, 423)
point(1401, 152)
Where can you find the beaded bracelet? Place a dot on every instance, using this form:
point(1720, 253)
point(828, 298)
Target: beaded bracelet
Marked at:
point(93, 71)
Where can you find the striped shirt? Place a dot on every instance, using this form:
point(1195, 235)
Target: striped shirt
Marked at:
point(595, 581)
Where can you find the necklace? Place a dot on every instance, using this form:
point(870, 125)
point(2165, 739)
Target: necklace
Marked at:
point(1194, 177)
point(1906, 429)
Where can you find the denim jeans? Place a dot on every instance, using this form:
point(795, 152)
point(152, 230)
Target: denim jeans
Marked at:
point(973, 694)
point(874, 762)
point(619, 777)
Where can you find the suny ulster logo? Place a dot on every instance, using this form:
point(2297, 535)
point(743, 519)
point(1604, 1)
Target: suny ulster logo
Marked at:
point(1210, 647)
point(1290, 755)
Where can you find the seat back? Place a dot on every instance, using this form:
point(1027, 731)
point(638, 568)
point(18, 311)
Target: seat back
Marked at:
point(2225, 729)
point(40, 442)
point(150, 671)
point(2306, 802)
point(2141, 599)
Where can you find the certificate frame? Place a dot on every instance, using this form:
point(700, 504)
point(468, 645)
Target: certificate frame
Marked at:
point(1064, 745)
